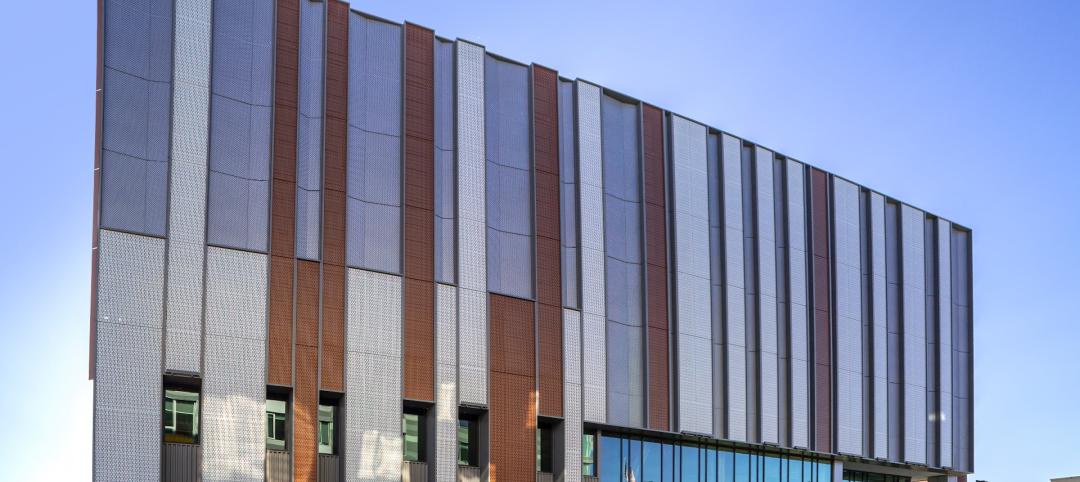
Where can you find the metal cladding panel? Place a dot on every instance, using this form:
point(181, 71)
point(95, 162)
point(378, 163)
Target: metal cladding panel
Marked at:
point(572, 425)
point(655, 169)
point(309, 131)
point(849, 347)
point(240, 125)
point(445, 189)
point(693, 312)
point(373, 236)
point(233, 433)
point(472, 250)
point(798, 299)
point(768, 329)
point(594, 386)
point(914, 313)
point(568, 206)
point(734, 288)
point(962, 362)
point(446, 390)
point(127, 379)
point(548, 245)
point(824, 385)
point(136, 90)
point(512, 412)
point(879, 329)
point(943, 419)
point(187, 186)
point(716, 284)
point(373, 377)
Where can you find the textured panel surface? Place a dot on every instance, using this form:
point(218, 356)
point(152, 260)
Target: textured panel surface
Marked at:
point(962, 365)
point(734, 288)
point(693, 311)
point(446, 392)
point(768, 353)
point(943, 419)
point(798, 300)
point(822, 312)
point(879, 328)
point(127, 386)
point(914, 315)
point(572, 423)
point(373, 377)
point(590, 177)
point(652, 131)
point(233, 393)
point(549, 277)
point(568, 207)
point(512, 413)
point(136, 85)
point(849, 348)
point(309, 129)
point(187, 186)
point(445, 188)
point(472, 250)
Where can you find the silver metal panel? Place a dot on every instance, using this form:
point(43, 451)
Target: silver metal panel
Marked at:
point(233, 432)
point(797, 304)
point(445, 188)
point(914, 315)
point(735, 303)
point(127, 381)
point(472, 250)
point(849, 350)
point(945, 344)
point(572, 425)
point(880, 335)
point(693, 312)
point(373, 377)
point(768, 353)
point(594, 384)
point(187, 186)
point(446, 390)
point(309, 130)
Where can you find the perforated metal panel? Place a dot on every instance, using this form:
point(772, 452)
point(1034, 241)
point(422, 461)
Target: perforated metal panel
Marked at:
point(373, 377)
point(879, 327)
point(446, 390)
point(234, 391)
point(309, 130)
point(769, 382)
point(735, 306)
point(572, 423)
point(914, 313)
point(127, 378)
point(472, 249)
point(849, 347)
point(943, 419)
point(594, 383)
point(445, 183)
point(797, 304)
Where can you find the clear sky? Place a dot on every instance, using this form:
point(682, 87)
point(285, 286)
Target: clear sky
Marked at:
point(970, 110)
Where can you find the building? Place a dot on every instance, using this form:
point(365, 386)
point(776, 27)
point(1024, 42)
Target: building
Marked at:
point(335, 247)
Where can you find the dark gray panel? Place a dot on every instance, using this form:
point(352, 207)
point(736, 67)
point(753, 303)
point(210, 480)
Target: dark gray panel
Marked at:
point(445, 182)
point(568, 167)
point(716, 286)
point(373, 224)
point(894, 329)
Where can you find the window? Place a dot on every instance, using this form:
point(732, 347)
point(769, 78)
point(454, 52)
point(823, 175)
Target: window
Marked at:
point(467, 442)
point(181, 416)
point(276, 421)
point(326, 428)
point(544, 449)
point(588, 454)
point(412, 431)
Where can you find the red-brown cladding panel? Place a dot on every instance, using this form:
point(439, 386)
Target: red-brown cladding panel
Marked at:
point(332, 359)
point(656, 267)
point(419, 207)
point(307, 303)
point(305, 415)
point(513, 394)
point(548, 233)
point(279, 345)
point(819, 198)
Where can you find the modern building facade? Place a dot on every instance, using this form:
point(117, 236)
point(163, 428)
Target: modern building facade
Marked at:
point(335, 247)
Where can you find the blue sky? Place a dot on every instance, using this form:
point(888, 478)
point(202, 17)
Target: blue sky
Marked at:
point(970, 110)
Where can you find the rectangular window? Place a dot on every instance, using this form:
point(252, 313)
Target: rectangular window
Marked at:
point(277, 413)
point(544, 449)
point(327, 414)
point(412, 432)
point(588, 454)
point(181, 416)
point(468, 443)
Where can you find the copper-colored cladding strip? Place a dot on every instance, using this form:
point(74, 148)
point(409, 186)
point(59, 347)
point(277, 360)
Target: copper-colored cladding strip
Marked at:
point(548, 239)
point(419, 236)
point(283, 194)
point(99, 107)
point(332, 342)
point(306, 390)
point(512, 411)
point(819, 220)
point(652, 126)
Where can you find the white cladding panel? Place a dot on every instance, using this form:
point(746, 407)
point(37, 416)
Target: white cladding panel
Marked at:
point(768, 362)
point(880, 335)
point(797, 304)
point(591, 183)
point(914, 303)
point(849, 349)
point(735, 305)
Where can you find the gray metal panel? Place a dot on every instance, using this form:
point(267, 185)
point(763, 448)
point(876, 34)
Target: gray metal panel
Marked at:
point(962, 363)
point(373, 377)
point(127, 378)
point(472, 250)
point(849, 348)
point(798, 289)
point(716, 285)
point(568, 206)
point(768, 329)
point(187, 189)
point(594, 383)
point(181, 462)
point(880, 390)
point(572, 426)
point(944, 418)
point(240, 124)
point(309, 130)
point(329, 468)
point(693, 311)
point(136, 98)
point(234, 387)
point(373, 211)
point(914, 314)
point(735, 303)
point(446, 390)
point(445, 184)
point(277, 466)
